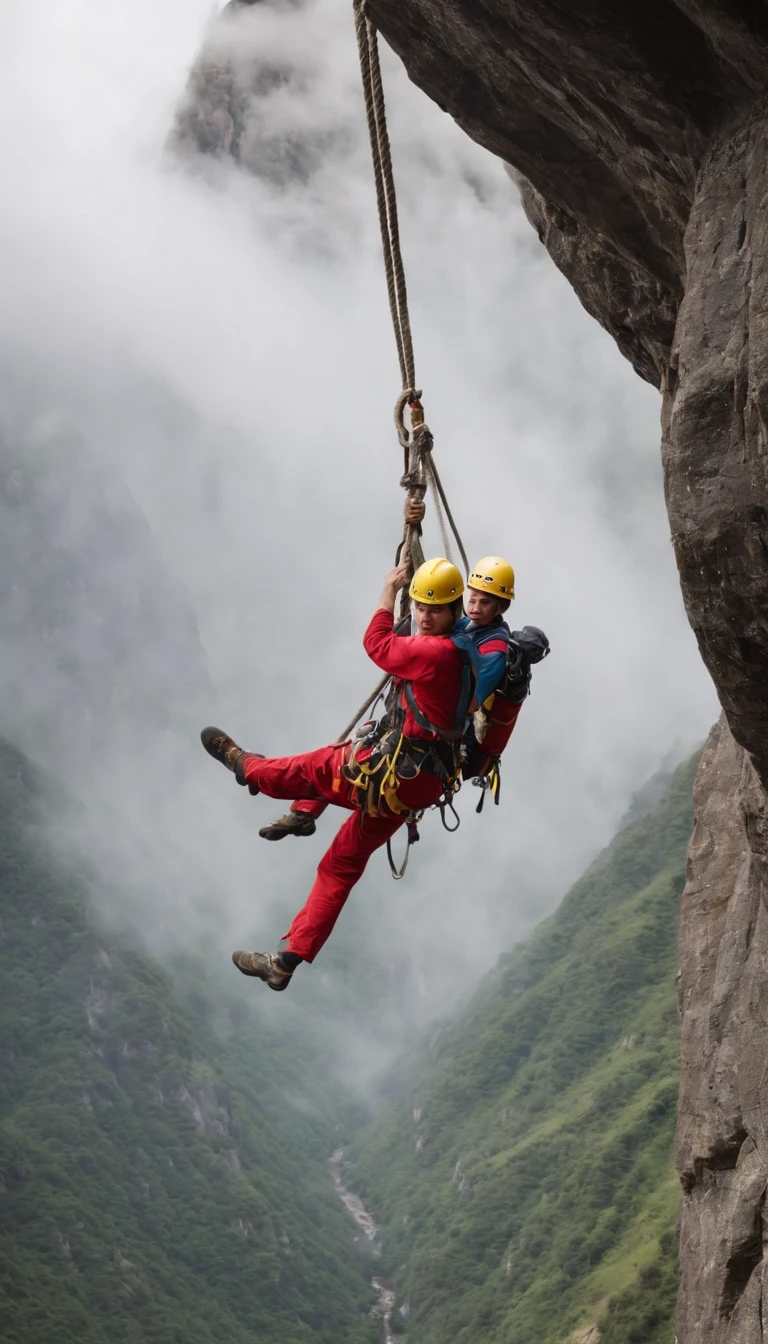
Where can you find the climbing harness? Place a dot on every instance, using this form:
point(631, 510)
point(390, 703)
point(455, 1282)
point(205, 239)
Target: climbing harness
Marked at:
point(391, 757)
point(381, 757)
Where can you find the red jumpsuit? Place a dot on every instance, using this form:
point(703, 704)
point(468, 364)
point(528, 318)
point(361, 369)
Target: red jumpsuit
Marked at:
point(501, 721)
point(434, 666)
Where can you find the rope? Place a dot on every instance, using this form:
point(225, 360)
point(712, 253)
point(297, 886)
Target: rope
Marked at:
point(380, 688)
point(372, 698)
point(424, 472)
point(439, 496)
point(386, 198)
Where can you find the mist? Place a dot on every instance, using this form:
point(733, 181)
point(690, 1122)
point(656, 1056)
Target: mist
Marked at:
point(212, 341)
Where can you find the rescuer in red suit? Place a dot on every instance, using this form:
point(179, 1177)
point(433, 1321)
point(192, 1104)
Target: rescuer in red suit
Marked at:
point(411, 758)
point(490, 590)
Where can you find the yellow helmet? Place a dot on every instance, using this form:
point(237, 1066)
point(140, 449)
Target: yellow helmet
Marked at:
point(436, 583)
point(494, 575)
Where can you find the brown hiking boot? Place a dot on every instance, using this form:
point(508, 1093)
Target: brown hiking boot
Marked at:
point(265, 967)
point(293, 823)
point(223, 749)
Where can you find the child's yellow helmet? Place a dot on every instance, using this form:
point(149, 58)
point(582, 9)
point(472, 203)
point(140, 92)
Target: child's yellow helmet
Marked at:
point(493, 575)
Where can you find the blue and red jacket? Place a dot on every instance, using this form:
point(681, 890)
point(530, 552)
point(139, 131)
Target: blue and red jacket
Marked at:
point(490, 649)
point(491, 643)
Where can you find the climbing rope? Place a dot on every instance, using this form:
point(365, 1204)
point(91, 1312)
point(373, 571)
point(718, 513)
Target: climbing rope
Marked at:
point(419, 470)
point(386, 199)
point(372, 698)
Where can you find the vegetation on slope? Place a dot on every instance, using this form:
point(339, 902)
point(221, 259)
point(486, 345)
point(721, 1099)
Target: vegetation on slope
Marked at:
point(157, 1182)
point(523, 1178)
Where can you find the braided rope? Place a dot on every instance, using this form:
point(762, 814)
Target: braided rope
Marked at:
point(439, 513)
point(386, 199)
point(366, 705)
point(441, 498)
point(419, 470)
point(398, 270)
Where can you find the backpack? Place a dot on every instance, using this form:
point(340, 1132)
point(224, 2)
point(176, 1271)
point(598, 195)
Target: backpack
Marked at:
point(525, 648)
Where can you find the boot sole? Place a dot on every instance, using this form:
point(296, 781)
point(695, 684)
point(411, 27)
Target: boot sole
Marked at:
point(281, 832)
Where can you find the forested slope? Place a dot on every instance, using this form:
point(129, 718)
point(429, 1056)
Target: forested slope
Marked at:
point(158, 1181)
point(163, 1152)
point(523, 1175)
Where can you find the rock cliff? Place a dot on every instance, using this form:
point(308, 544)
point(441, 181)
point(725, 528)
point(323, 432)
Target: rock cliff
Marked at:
point(723, 992)
point(636, 134)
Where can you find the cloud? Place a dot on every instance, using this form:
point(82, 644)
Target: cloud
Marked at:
point(218, 335)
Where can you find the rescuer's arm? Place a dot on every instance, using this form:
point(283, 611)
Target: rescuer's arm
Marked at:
point(395, 580)
point(407, 656)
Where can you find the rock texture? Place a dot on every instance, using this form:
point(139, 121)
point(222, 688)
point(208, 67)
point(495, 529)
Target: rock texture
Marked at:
point(226, 110)
point(723, 988)
point(637, 136)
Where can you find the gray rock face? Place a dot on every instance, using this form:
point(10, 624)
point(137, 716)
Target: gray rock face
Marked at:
point(606, 109)
point(723, 993)
point(714, 442)
point(225, 112)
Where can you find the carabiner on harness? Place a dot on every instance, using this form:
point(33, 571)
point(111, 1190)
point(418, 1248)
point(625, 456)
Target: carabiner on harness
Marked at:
point(490, 780)
point(412, 824)
point(446, 805)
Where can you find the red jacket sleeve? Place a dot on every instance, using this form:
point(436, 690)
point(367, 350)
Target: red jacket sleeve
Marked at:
point(406, 656)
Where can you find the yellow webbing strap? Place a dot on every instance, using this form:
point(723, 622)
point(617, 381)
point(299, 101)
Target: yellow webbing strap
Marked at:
point(378, 783)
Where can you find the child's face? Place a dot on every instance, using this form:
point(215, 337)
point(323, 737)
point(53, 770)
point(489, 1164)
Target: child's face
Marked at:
point(481, 607)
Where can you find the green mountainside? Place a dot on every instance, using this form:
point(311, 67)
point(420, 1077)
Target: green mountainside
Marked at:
point(522, 1174)
point(164, 1141)
point(159, 1180)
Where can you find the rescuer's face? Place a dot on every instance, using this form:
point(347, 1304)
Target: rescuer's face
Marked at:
point(482, 608)
point(432, 620)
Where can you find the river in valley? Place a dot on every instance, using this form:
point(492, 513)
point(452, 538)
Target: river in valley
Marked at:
point(364, 1220)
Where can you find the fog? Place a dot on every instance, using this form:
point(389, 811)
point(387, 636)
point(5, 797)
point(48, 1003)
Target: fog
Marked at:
point(215, 340)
